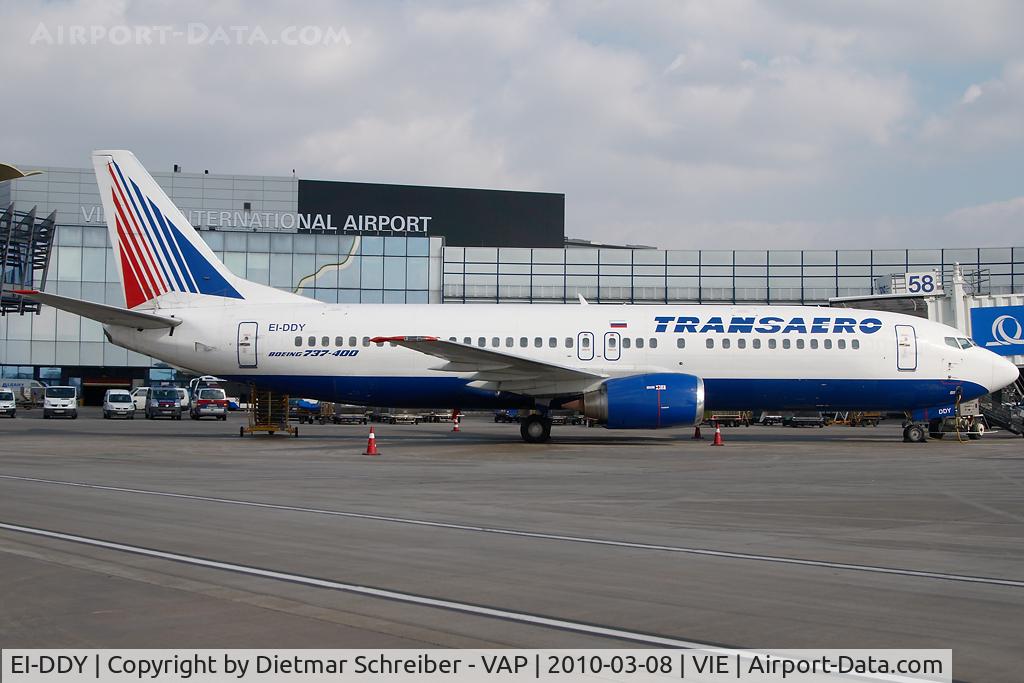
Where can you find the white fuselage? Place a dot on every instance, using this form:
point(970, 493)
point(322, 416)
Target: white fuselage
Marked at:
point(748, 356)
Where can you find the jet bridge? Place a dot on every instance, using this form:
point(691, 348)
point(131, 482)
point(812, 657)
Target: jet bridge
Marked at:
point(25, 246)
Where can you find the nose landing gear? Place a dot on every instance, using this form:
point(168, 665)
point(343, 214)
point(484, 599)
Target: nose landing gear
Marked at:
point(914, 433)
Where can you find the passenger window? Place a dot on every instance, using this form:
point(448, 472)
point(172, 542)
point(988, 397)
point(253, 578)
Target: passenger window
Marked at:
point(680, 343)
point(325, 341)
point(351, 341)
point(538, 342)
point(495, 342)
point(312, 341)
point(585, 342)
point(611, 342)
point(814, 343)
point(481, 341)
point(828, 343)
point(639, 342)
point(468, 341)
point(626, 342)
point(366, 341)
point(772, 343)
point(741, 343)
point(451, 339)
point(786, 343)
point(523, 342)
point(509, 342)
point(710, 343)
point(339, 341)
point(841, 343)
point(568, 342)
point(298, 341)
point(726, 343)
point(553, 343)
point(756, 343)
point(855, 343)
point(799, 343)
point(653, 343)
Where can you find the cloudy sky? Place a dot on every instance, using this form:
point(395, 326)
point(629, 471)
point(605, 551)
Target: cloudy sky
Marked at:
point(726, 124)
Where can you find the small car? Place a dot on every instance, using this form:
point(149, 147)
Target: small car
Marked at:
point(163, 402)
point(8, 406)
point(118, 403)
point(61, 401)
point(184, 398)
point(139, 397)
point(209, 402)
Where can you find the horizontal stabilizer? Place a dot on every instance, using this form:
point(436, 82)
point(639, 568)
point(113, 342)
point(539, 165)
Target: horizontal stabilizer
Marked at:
point(108, 315)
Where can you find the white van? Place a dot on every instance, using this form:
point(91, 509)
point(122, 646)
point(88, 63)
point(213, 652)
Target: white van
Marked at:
point(139, 397)
point(209, 402)
point(61, 401)
point(118, 403)
point(183, 398)
point(7, 405)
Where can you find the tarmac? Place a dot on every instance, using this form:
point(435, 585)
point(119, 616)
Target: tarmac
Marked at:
point(139, 534)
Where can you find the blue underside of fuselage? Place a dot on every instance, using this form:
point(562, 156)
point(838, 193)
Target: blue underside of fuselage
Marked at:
point(795, 394)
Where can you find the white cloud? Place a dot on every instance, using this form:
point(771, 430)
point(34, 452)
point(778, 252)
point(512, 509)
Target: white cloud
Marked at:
point(758, 123)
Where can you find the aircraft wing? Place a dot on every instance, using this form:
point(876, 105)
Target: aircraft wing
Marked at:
point(108, 315)
point(500, 371)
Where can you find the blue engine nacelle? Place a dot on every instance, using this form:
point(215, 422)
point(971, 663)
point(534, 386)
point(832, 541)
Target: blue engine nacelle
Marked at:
point(665, 399)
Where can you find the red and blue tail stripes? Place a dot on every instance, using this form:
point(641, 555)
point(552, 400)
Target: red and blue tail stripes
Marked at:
point(156, 258)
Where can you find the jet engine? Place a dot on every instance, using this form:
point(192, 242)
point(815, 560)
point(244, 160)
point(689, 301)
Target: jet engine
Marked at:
point(650, 401)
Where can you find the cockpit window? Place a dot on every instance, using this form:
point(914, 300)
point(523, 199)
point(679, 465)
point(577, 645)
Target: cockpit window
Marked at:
point(959, 342)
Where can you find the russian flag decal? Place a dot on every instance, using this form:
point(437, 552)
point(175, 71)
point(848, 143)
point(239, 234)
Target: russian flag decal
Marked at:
point(617, 325)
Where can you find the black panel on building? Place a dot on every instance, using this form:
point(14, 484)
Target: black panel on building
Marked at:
point(465, 217)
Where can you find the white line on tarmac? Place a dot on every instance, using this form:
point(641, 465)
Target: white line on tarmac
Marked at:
point(963, 578)
point(412, 598)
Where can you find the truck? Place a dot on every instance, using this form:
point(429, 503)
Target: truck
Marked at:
point(729, 418)
point(968, 421)
point(349, 414)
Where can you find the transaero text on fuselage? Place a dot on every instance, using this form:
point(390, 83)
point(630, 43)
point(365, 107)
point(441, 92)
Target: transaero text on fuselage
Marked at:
point(284, 221)
point(767, 324)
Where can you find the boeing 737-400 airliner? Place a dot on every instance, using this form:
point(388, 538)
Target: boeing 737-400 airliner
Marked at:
point(627, 366)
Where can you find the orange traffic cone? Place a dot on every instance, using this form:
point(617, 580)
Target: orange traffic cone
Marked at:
point(456, 419)
point(371, 444)
point(718, 436)
point(696, 434)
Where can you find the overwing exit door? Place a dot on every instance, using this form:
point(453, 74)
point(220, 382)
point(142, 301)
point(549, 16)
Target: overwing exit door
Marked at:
point(247, 349)
point(585, 346)
point(906, 348)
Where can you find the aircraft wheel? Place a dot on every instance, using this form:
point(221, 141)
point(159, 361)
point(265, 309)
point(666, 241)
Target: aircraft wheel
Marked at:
point(535, 429)
point(914, 434)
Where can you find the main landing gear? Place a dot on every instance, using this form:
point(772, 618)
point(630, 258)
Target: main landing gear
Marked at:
point(535, 428)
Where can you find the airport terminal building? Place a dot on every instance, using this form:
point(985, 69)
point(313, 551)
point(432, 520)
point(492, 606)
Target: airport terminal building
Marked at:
point(350, 242)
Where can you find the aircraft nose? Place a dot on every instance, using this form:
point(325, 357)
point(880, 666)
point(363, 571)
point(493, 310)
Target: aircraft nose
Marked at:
point(1004, 373)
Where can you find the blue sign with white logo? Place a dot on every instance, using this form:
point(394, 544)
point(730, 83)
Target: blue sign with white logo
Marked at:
point(999, 329)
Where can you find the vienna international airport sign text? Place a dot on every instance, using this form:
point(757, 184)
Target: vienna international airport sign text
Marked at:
point(273, 220)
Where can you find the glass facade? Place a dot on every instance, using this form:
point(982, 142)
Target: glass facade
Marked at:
point(707, 276)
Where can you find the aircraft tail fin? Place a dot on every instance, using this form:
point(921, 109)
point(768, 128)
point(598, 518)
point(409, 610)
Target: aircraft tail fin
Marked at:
point(161, 258)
